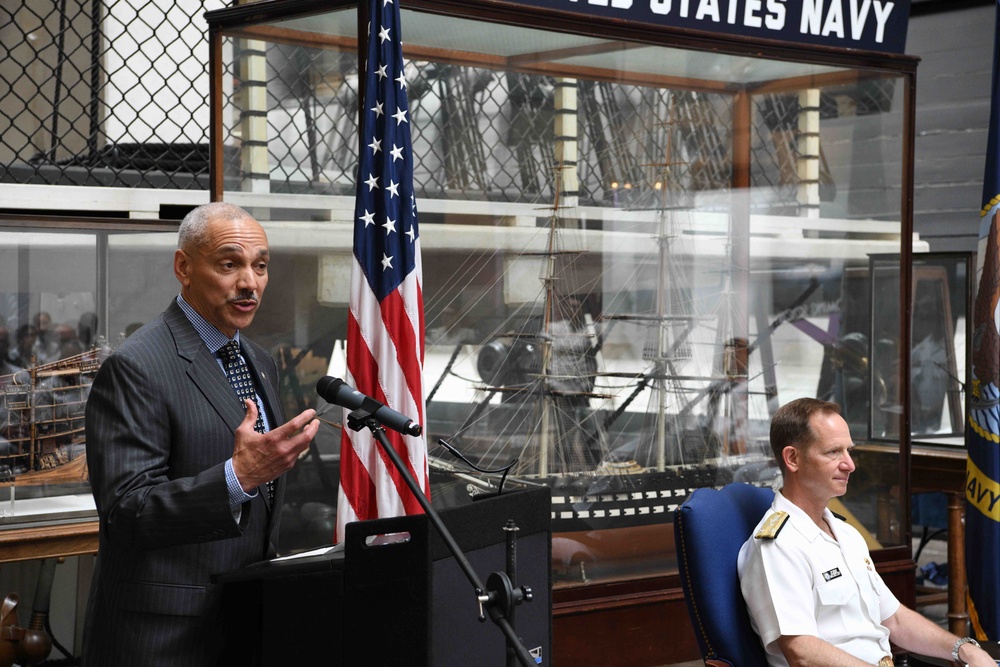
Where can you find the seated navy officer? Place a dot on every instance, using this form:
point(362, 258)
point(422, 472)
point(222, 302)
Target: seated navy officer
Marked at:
point(812, 591)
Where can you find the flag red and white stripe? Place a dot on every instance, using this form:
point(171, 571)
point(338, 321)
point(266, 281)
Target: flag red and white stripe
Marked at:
point(385, 329)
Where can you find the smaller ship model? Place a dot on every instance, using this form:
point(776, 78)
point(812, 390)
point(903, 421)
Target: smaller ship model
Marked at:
point(42, 421)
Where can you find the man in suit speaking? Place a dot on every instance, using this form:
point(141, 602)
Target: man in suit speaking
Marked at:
point(186, 445)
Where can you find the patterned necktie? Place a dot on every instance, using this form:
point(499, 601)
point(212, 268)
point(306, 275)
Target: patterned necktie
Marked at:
point(239, 376)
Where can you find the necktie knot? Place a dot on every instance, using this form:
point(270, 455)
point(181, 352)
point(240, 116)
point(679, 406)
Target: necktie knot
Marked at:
point(230, 353)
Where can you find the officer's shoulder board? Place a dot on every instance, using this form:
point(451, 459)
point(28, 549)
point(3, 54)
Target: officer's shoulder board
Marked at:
point(842, 518)
point(772, 526)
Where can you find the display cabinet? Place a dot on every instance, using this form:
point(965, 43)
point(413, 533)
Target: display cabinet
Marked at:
point(943, 285)
point(71, 289)
point(638, 241)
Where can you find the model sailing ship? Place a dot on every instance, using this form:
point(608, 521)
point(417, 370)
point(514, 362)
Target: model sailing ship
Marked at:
point(42, 421)
point(626, 387)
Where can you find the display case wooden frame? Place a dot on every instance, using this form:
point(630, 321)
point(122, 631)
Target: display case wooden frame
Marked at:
point(647, 611)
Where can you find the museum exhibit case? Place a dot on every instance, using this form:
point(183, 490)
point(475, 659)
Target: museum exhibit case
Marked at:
point(72, 289)
point(638, 240)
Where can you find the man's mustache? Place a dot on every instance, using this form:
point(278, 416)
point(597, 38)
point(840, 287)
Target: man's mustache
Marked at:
point(248, 295)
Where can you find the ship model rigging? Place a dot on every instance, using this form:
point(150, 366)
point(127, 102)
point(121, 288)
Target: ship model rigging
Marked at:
point(626, 386)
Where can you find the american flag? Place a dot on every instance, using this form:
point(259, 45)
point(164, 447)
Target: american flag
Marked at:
point(385, 328)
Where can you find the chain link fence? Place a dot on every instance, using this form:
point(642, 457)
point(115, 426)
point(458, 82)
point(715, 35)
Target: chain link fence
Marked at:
point(104, 92)
point(115, 93)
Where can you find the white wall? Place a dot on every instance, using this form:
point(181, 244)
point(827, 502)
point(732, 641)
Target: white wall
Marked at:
point(953, 111)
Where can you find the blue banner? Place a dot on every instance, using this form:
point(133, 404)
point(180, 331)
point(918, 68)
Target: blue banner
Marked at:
point(982, 477)
point(872, 25)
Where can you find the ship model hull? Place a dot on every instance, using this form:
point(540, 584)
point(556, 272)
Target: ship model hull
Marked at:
point(609, 489)
point(631, 500)
point(42, 422)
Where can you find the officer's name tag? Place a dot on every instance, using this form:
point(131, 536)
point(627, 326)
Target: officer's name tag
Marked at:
point(831, 574)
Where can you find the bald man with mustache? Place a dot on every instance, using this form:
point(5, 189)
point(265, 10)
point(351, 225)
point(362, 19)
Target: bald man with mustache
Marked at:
point(187, 445)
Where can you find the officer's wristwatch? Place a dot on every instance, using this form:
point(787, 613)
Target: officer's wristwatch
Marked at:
point(958, 645)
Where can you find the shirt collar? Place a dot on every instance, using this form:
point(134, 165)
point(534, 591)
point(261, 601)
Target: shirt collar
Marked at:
point(210, 335)
point(800, 520)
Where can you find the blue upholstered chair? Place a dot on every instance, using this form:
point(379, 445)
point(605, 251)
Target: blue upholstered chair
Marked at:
point(709, 528)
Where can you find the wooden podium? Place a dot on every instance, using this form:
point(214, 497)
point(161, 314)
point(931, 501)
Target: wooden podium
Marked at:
point(394, 595)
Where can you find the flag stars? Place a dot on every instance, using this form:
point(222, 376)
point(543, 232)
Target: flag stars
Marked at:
point(387, 99)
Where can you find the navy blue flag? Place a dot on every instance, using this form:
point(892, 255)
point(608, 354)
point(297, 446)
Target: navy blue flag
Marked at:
point(385, 328)
point(982, 476)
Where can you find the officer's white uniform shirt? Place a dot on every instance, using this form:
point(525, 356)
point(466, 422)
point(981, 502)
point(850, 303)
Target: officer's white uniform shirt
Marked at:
point(803, 582)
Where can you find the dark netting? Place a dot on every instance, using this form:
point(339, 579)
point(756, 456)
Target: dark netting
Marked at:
point(108, 92)
point(478, 134)
point(311, 112)
point(115, 93)
point(775, 139)
point(774, 148)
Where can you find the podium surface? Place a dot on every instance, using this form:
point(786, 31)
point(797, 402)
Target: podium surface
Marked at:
point(394, 594)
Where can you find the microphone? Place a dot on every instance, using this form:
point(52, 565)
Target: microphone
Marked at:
point(336, 391)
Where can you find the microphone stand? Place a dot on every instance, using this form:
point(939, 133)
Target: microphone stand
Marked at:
point(501, 597)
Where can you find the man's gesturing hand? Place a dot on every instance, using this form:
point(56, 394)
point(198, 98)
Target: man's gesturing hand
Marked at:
point(259, 458)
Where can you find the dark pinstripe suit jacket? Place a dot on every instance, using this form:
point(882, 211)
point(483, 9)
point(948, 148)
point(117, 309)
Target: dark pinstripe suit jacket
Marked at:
point(161, 419)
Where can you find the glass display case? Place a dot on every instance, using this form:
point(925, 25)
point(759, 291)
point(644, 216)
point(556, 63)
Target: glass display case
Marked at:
point(637, 243)
point(941, 288)
point(70, 292)
point(941, 340)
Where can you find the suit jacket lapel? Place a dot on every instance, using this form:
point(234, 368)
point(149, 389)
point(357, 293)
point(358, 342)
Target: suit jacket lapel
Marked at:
point(204, 370)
